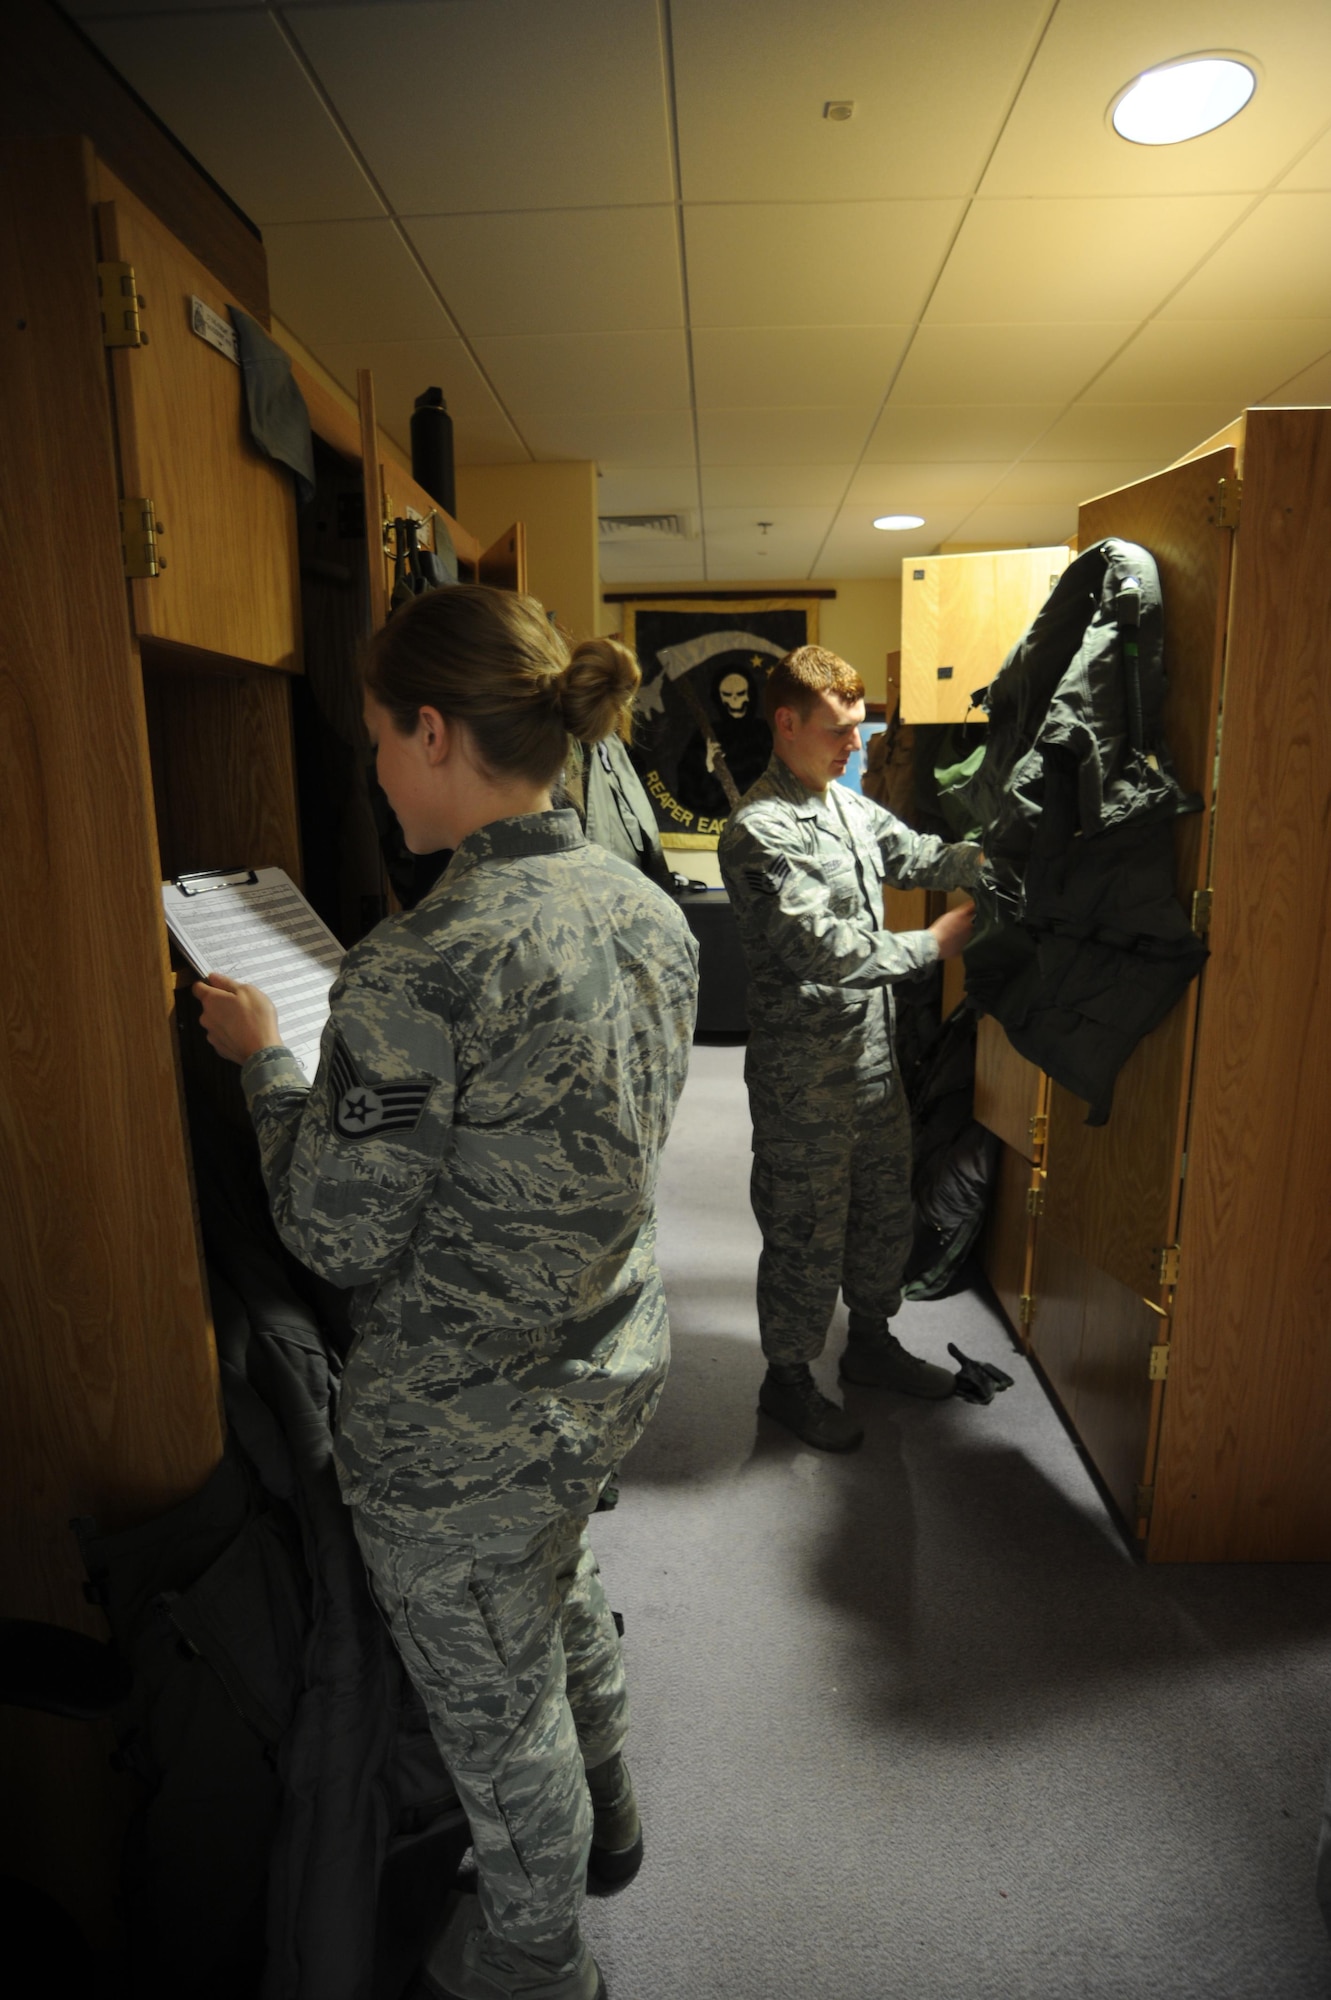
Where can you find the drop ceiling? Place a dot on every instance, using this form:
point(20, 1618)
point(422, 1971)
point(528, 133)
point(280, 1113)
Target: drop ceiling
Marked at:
point(623, 230)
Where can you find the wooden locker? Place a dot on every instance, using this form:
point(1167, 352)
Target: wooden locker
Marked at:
point(1180, 1267)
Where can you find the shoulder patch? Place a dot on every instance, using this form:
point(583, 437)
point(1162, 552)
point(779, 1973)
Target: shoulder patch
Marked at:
point(768, 881)
point(365, 1111)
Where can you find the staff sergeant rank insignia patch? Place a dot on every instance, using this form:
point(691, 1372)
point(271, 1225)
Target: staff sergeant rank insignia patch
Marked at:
point(768, 881)
point(364, 1111)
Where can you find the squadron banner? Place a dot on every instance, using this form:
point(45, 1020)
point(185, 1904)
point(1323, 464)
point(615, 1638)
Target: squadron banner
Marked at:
point(701, 738)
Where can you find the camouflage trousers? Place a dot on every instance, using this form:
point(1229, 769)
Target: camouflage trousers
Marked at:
point(834, 1208)
point(517, 1660)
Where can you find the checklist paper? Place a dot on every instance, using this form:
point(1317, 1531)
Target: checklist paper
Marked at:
point(256, 927)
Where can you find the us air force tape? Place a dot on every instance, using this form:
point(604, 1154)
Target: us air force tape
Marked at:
point(366, 1111)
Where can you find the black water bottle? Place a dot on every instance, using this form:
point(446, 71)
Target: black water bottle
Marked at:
point(432, 449)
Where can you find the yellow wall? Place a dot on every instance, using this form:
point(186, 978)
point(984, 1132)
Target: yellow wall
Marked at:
point(558, 505)
point(862, 622)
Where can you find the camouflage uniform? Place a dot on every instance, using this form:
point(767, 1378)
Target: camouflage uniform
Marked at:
point(831, 1132)
point(477, 1157)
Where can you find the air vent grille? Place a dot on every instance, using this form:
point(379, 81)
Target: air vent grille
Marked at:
point(647, 527)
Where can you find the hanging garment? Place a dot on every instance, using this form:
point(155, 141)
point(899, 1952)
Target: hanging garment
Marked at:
point(608, 796)
point(297, 1832)
point(1081, 944)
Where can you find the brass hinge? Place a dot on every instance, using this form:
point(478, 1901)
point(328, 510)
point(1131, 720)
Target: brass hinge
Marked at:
point(1159, 1368)
point(1039, 1128)
point(1025, 1309)
point(139, 529)
point(1035, 1201)
point(1225, 505)
point(1169, 1264)
point(1201, 911)
point(122, 306)
point(1143, 1501)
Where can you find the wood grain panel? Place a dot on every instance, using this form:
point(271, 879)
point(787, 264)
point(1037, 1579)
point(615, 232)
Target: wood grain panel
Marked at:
point(53, 82)
point(1059, 1324)
point(1114, 1389)
point(1113, 1190)
point(1246, 1437)
point(1009, 1090)
point(230, 579)
point(960, 616)
point(905, 909)
point(381, 580)
point(504, 563)
point(107, 1375)
point(224, 771)
point(1008, 1238)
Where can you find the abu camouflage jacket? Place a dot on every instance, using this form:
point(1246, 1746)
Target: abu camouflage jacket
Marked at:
point(478, 1158)
point(805, 872)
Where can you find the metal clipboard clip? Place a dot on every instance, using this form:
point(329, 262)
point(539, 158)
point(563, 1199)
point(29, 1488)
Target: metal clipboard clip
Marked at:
point(200, 880)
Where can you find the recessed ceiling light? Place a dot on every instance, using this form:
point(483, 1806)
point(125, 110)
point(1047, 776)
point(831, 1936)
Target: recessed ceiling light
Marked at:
point(1183, 99)
point(899, 521)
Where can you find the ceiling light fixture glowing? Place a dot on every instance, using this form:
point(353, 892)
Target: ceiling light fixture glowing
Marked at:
point(1183, 99)
point(899, 521)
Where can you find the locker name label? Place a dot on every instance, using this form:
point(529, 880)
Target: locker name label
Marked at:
point(218, 332)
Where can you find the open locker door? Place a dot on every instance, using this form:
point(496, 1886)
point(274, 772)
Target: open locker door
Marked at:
point(205, 507)
point(1110, 1204)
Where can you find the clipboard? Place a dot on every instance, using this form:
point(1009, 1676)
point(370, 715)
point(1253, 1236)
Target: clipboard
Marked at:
point(254, 925)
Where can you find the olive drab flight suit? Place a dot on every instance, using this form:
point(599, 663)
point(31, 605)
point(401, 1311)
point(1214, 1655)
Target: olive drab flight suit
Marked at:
point(831, 1131)
point(478, 1157)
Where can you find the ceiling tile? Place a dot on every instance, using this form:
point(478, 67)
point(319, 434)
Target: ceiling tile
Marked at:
point(851, 263)
point(1127, 431)
point(931, 489)
point(634, 437)
point(641, 562)
point(581, 270)
point(931, 85)
point(1310, 386)
point(1050, 260)
point(1313, 170)
point(1031, 527)
point(463, 106)
point(856, 548)
point(736, 562)
point(817, 436)
point(779, 367)
point(917, 432)
point(1067, 482)
point(1060, 123)
point(340, 281)
point(1006, 364)
point(1276, 265)
point(765, 486)
point(91, 10)
point(1236, 363)
point(230, 89)
point(576, 373)
point(783, 522)
point(647, 489)
point(403, 368)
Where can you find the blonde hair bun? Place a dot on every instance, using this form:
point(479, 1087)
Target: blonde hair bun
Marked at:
point(596, 690)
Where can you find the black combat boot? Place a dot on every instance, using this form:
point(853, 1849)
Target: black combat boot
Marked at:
point(616, 1850)
point(790, 1395)
point(875, 1359)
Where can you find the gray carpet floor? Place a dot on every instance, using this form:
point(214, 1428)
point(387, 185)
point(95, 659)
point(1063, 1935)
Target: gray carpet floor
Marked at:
point(913, 1724)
